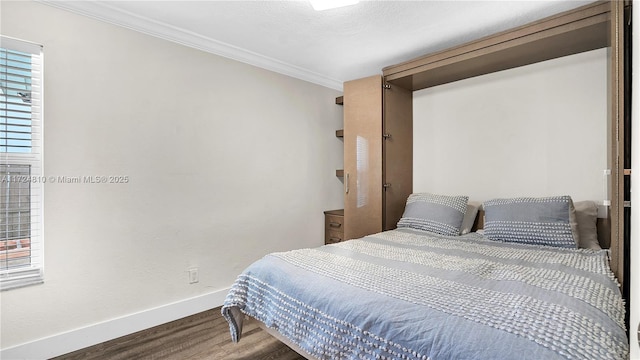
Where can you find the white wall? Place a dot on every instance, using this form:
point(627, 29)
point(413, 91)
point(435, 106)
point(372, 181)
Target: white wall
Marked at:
point(536, 130)
point(227, 162)
point(634, 302)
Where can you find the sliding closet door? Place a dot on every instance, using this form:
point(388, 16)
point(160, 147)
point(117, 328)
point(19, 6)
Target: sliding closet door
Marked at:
point(397, 150)
point(362, 157)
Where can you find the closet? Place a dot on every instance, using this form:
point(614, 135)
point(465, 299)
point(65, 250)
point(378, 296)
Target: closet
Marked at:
point(378, 161)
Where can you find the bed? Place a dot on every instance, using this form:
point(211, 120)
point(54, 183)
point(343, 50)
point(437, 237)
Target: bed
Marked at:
point(432, 290)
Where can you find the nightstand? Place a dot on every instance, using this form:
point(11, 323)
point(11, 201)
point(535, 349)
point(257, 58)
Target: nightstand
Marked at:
point(333, 226)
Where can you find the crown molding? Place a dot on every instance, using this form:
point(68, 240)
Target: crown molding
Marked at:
point(104, 12)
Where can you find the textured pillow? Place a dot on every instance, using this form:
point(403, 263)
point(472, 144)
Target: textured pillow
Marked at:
point(439, 214)
point(547, 221)
point(469, 217)
point(587, 218)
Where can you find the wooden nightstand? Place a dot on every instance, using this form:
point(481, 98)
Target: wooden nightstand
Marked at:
point(333, 226)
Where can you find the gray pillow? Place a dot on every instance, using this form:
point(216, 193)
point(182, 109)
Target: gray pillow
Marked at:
point(469, 217)
point(587, 217)
point(547, 221)
point(440, 214)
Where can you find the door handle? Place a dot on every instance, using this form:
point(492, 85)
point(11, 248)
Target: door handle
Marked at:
point(346, 183)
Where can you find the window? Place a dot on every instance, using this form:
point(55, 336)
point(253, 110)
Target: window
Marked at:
point(21, 180)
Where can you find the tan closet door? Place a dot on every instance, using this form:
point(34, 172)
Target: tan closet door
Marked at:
point(362, 157)
point(397, 153)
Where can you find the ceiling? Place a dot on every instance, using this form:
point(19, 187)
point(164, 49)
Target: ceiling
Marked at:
point(327, 47)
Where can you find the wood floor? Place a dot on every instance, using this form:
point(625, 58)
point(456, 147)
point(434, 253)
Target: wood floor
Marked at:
point(201, 336)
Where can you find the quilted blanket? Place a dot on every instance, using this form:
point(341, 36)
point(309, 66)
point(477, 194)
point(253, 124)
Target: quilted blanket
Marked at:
point(407, 294)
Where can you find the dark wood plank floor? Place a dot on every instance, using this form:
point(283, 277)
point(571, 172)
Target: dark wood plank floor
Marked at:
point(201, 336)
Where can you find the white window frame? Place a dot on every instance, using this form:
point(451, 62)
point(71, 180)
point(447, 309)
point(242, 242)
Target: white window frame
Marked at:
point(33, 273)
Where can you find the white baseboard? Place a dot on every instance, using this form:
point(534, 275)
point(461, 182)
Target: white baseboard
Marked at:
point(77, 339)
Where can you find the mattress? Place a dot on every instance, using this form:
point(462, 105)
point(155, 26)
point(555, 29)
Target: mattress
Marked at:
point(410, 294)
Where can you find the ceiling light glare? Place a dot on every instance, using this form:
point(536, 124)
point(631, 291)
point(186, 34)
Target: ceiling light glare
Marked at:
point(319, 5)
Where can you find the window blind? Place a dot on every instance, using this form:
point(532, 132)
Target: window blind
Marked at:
point(21, 175)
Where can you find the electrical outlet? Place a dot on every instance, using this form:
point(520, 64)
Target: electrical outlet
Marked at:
point(193, 275)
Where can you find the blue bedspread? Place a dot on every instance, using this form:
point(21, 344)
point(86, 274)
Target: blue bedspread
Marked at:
point(407, 294)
